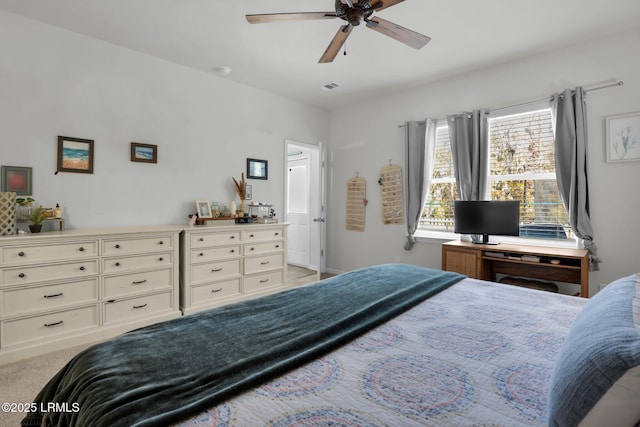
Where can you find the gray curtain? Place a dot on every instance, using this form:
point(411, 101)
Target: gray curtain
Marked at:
point(570, 127)
point(420, 138)
point(469, 136)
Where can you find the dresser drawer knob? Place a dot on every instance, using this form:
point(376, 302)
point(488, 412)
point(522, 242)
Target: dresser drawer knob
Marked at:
point(139, 306)
point(201, 239)
point(232, 237)
point(201, 254)
point(60, 294)
point(216, 290)
point(21, 254)
point(81, 249)
point(277, 246)
point(22, 275)
point(251, 235)
point(276, 234)
point(117, 246)
point(232, 251)
point(252, 249)
point(51, 325)
point(265, 262)
point(82, 268)
point(264, 280)
point(160, 259)
point(215, 270)
point(161, 242)
point(139, 282)
point(117, 264)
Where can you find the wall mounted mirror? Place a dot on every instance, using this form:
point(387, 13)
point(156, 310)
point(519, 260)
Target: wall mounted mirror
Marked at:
point(257, 169)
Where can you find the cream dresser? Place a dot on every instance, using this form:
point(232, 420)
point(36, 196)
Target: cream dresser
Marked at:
point(230, 263)
point(59, 289)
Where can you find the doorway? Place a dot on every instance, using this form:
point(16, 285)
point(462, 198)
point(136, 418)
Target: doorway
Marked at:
point(304, 206)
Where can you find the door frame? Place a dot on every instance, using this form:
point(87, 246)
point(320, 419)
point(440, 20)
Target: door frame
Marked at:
point(318, 192)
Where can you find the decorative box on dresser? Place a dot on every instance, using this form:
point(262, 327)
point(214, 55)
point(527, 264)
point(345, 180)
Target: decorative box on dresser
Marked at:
point(59, 289)
point(222, 264)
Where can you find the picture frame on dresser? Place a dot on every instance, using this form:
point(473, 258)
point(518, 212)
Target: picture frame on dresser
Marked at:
point(623, 137)
point(17, 179)
point(75, 155)
point(203, 208)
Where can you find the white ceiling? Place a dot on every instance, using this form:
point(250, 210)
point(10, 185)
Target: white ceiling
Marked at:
point(283, 57)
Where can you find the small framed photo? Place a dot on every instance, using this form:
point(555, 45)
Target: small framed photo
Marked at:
point(623, 137)
point(248, 193)
point(146, 153)
point(17, 179)
point(203, 208)
point(75, 155)
point(257, 169)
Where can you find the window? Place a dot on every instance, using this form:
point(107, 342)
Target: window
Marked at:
point(521, 167)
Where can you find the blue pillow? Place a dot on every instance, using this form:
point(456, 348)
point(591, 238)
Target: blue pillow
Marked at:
point(602, 346)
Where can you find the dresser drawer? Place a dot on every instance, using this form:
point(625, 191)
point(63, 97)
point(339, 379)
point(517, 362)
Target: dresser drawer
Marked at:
point(18, 255)
point(122, 264)
point(260, 248)
point(263, 263)
point(27, 300)
point(49, 326)
point(213, 239)
point(262, 235)
point(210, 254)
point(258, 282)
point(137, 245)
point(132, 308)
point(34, 274)
point(128, 284)
point(205, 294)
point(215, 271)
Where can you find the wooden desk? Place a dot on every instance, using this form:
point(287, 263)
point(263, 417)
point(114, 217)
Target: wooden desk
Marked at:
point(485, 261)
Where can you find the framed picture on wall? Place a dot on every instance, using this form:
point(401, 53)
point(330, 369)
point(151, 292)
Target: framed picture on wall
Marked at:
point(623, 137)
point(257, 169)
point(75, 155)
point(145, 153)
point(203, 207)
point(17, 179)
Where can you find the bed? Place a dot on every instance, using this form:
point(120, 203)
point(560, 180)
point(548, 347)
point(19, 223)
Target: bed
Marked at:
point(389, 345)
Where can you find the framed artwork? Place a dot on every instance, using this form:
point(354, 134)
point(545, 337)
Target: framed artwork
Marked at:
point(623, 137)
point(257, 169)
point(146, 153)
point(17, 179)
point(248, 193)
point(203, 208)
point(75, 155)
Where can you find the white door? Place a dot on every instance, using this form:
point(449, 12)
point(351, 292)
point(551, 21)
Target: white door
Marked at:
point(304, 205)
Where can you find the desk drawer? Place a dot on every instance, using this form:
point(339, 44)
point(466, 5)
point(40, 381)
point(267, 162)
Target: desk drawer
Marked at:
point(25, 275)
point(262, 235)
point(144, 306)
point(214, 239)
point(262, 281)
point(206, 294)
point(135, 283)
point(18, 255)
point(210, 254)
point(263, 263)
point(215, 271)
point(122, 264)
point(261, 248)
point(137, 245)
point(41, 298)
point(48, 326)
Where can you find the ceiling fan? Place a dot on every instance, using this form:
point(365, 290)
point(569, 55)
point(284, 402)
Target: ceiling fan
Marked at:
point(353, 12)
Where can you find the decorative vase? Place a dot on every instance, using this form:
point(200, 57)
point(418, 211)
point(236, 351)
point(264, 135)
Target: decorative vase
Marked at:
point(35, 228)
point(7, 213)
point(243, 208)
point(23, 211)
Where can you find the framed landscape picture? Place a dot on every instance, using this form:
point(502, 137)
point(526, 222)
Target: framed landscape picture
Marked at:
point(17, 179)
point(146, 153)
point(623, 137)
point(75, 155)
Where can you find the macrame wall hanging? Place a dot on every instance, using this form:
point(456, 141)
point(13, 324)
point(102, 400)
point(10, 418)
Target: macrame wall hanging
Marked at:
point(356, 203)
point(391, 194)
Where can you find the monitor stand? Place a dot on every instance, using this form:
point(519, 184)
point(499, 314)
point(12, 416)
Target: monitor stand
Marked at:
point(485, 241)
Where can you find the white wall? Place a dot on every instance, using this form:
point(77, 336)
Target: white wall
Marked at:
point(54, 82)
point(365, 135)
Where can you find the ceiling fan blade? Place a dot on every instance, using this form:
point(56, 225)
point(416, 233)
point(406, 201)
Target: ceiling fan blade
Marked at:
point(278, 17)
point(336, 44)
point(395, 31)
point(383, 4)
point(348, 2)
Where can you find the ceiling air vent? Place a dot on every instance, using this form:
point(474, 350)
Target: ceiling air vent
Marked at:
point(330, 86)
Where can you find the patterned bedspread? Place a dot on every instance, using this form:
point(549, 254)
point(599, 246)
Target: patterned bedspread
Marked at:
point(478, 353)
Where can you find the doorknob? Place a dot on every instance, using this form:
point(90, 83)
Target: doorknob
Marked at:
point(318, 219)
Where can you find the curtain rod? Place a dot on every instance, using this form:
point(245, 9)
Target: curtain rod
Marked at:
point(618, 83)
